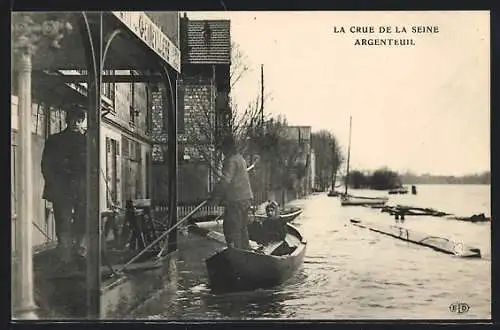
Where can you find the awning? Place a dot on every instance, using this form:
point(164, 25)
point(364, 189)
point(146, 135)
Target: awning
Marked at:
point(135, 49)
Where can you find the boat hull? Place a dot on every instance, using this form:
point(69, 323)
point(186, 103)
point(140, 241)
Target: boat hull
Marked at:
point(360, 201)
point(238, 270)
point(286, 217)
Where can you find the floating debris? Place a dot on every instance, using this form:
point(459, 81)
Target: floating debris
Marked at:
point(440, 244)
point(401, 211)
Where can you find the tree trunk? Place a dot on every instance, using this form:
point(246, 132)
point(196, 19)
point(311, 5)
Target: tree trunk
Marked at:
point(334, 179)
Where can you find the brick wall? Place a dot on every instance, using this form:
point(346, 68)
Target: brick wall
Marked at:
point(199, 117)
point(158, 126)
point(197, 97)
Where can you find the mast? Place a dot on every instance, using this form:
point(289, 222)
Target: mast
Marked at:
point(348, 155)
point(262, 94)
point(266, 173)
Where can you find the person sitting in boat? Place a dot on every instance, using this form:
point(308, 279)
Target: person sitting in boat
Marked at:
point(272, 210)
point(236, 193)
point(273, 226)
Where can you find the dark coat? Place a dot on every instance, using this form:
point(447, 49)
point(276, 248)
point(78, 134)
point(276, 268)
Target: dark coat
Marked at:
point(64, 166)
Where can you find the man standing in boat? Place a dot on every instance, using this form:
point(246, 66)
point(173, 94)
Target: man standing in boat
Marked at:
point(64, 171)
point(236, 193)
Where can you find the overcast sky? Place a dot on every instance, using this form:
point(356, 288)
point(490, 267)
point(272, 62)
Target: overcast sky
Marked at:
point(423, 108)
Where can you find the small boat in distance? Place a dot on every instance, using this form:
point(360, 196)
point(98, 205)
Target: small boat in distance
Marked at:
point(349, 200)
point(273, 263)
point(333, 193)
point(398, 191)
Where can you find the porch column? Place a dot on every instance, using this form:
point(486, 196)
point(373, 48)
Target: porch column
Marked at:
point(25, 303)
point(28, 32)
point(93, 46)
point(173, 155)
point(171, 87)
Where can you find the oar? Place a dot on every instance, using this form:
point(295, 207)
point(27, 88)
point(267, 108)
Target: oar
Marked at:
point(159, 238)
point(204, 232)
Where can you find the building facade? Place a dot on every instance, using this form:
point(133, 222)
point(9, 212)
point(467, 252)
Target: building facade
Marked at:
point(203, 99)
point(127, 139)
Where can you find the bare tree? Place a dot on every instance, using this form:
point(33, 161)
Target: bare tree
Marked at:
point(329, 158)
point(239, 65)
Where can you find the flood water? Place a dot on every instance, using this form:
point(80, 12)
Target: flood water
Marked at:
point(351, 272)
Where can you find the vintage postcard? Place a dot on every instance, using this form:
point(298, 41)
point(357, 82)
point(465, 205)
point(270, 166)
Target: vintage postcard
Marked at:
point(298, 165)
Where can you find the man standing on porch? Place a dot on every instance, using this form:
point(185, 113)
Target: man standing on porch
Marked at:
point(64, 171)
point(236, 192)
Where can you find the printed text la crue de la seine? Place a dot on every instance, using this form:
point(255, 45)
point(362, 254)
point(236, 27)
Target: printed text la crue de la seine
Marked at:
point(399, 35)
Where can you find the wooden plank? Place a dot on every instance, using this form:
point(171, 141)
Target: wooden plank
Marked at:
point(441, 244)
point(269, 248)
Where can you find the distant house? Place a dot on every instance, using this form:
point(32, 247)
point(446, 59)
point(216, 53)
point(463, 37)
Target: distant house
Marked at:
point(203, 102)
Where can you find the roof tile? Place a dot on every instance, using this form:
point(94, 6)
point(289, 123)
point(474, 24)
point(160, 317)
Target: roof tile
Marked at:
point(215, 50)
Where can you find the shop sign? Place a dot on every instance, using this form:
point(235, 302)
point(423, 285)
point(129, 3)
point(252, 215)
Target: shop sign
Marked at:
point(143, 27)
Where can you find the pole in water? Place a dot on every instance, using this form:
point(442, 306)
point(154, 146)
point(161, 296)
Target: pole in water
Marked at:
point(348, 155)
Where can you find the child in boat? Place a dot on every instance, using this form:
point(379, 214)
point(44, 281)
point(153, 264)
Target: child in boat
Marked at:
point(274, 227)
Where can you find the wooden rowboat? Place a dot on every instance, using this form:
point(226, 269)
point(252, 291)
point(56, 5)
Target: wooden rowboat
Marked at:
point(287, 215)
point(350, 200)
point(398, 191)
point(440, 244)
point(235, 270)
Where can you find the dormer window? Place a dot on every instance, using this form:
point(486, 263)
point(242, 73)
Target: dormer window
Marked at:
point(207, 33)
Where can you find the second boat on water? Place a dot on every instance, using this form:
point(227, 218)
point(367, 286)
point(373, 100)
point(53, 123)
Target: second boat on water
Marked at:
point(349, 200)
point(361, 201)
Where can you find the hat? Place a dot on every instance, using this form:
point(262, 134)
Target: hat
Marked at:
point(227, 143)
point(75, 113)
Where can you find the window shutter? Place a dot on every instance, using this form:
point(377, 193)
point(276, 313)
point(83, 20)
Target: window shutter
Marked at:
point(125, 151)
point(138, 151)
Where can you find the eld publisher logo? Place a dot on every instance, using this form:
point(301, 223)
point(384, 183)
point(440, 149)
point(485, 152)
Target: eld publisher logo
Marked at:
point(459, 308)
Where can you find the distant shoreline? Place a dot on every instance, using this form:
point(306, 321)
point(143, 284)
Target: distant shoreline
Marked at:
point(483, 178)
point(450, 183)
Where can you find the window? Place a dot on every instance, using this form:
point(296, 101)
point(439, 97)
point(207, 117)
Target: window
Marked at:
point(109, 89)
point(112, 152)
